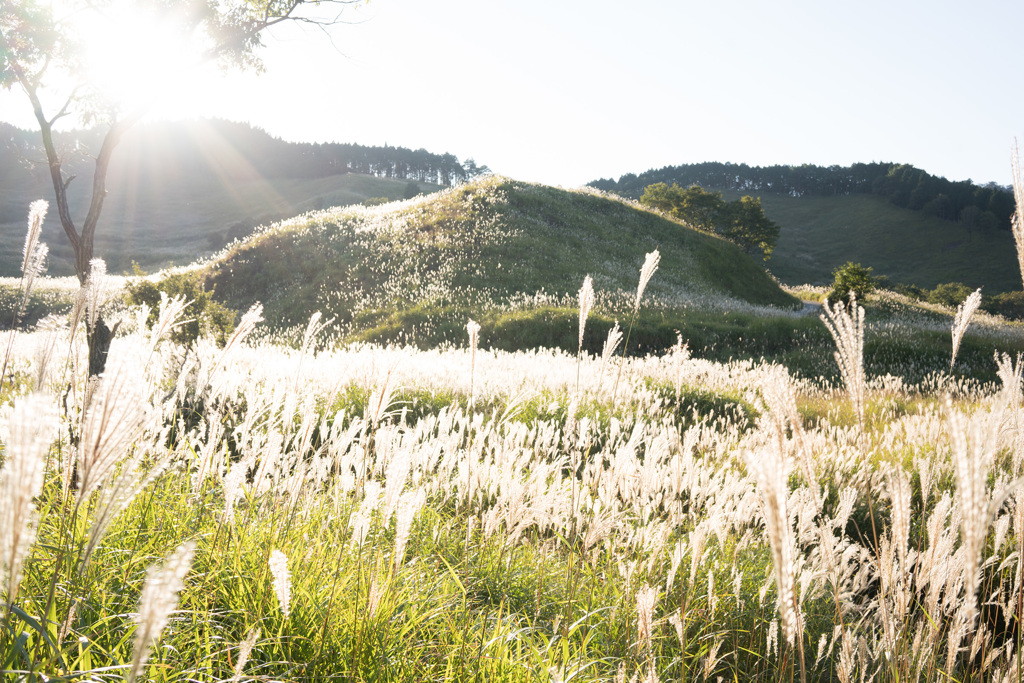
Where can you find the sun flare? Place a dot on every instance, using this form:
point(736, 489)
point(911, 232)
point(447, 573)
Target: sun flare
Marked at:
point(137, 56)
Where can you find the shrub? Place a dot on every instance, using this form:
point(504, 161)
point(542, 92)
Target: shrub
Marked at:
point(851, 277)
point(1007, 304)
point(209, 316)
point(950, 294)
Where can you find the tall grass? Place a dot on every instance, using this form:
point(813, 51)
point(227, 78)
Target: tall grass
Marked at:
point(385, 513)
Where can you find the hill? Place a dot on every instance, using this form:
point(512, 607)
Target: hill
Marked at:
point(910, 226)
point(178, 191)
point(418, 268)
point(819, 234)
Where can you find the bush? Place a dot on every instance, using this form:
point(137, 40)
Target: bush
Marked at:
point(911, 291)
point(208, 316)
point(1007, 304)
point(851, 277)
point(950, 294)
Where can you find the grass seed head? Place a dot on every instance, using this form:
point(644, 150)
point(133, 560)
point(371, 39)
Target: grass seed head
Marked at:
point(646, 271)
point(159, 599)
point(282, 581)
point(586, 297)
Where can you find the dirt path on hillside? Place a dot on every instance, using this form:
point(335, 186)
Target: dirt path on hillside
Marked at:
point(811, 307)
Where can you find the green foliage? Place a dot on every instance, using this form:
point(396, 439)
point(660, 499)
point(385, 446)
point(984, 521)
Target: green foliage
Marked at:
point(1007, 304)
point(901, 184)
point(851, 278)
point(207, 316)
point(949, 294)
point(745, 223)
point(42, 302)
point(742, 222)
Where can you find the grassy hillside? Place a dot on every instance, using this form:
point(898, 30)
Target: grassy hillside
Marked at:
point(159, 221)
point(820, 233)
point(410, 267)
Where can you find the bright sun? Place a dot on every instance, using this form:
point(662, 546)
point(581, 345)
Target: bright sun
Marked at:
point(137, 56)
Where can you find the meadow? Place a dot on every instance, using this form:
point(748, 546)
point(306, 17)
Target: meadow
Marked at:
point(311, 511)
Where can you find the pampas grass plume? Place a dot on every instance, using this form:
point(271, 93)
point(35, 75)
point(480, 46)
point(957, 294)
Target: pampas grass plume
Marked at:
point(962, 319)
point(282, 580)
point(32, 424)
point(1017, 220)
point(159, 599)
point(651, 262)
point(33, 260)
point(244, 650)
point(586, 296)
point(473, 328)
point(646, 599)
point(846, 325)
point(36, 215)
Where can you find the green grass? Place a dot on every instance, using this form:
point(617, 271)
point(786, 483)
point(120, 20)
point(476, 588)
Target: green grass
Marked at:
point(820, 234)
point(476, 597)
point(397, 270)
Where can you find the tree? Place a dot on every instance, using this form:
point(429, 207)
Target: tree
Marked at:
point(950, 294)
point(41, 50)
point(851, 278)
point(742, 221)
point(745, 224)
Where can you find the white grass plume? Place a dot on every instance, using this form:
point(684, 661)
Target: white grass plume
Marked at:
point(768, 469)
point(1017, 220)
point(113, 419)
point(159, 599)
point(975, 442)
point(33, 260)
point(962, 319)
point(610, 345)
point(36, 216)
point(651, 262)
point(846, 325)
point(646, 600)
point(282, 581)
point(586, 298)
point(33, 263)
point(473, 329)
point(244, 650)
point(32, 424)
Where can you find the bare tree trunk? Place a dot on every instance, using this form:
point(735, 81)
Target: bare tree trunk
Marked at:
point(99, 336)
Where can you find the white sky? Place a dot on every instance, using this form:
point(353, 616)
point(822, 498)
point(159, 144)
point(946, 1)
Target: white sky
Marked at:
point(566, 91)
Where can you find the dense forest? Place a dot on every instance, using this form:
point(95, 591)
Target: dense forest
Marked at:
point(975, 206)
point(237, 149)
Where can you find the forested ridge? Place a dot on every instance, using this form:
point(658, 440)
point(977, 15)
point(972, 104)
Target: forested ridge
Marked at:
point(232, 149)
point(976, 206)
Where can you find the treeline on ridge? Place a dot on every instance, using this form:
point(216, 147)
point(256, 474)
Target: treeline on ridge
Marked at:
point(976, 206)
point(233, 150)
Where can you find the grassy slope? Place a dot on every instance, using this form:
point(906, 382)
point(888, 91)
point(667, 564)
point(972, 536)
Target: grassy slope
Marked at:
point(176, 221)
point(821, 233)
point(471, 249)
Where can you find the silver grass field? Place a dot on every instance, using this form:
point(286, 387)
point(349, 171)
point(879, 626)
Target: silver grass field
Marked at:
point(270, 512)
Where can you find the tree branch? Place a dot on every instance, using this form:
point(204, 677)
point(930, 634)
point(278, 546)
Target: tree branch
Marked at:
point(52, 158)
point(64, 110)
point(84, 252)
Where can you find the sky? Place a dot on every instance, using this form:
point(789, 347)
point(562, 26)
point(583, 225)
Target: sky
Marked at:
point(567, 91)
